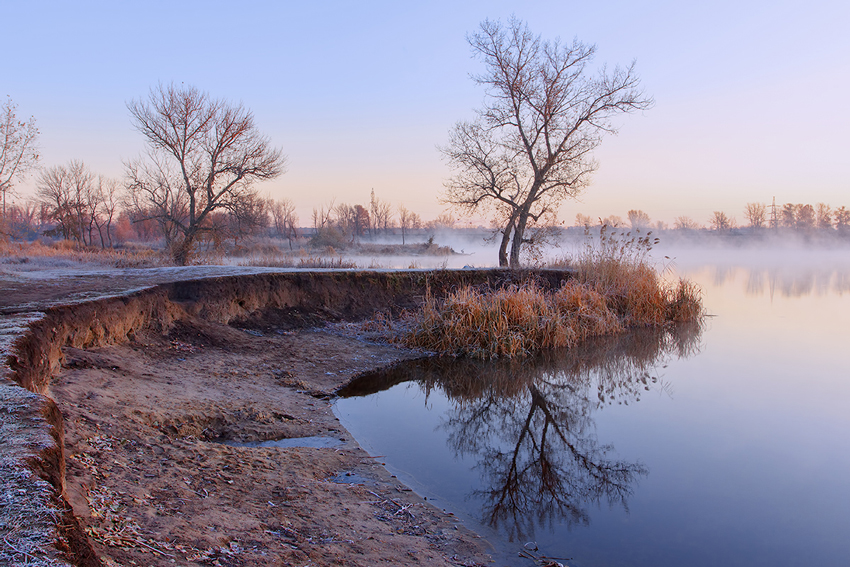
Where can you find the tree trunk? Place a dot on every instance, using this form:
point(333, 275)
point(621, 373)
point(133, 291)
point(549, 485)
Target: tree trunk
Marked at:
point(181, 251)
point(519, 233)
point(506, 238)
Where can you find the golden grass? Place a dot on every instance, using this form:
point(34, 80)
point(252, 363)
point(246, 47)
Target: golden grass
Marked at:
point(614, 287)
point(510, 322)
point(617, 266)
point(64, 250)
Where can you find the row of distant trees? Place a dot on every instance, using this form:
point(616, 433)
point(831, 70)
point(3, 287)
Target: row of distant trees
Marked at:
point(194, 186)
point(790, 216)
point(339, 223)
point(78, 205)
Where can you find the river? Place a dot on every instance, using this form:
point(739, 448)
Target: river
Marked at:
point(728, 445)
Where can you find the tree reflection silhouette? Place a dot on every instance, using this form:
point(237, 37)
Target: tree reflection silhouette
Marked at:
point(529, 423)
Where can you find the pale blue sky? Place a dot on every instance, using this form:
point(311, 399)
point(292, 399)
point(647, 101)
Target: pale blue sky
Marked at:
point(751, 97)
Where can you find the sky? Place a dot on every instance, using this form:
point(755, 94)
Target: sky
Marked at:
point(750, 97)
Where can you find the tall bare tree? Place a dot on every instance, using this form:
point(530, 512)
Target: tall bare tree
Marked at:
point(18, 150)
point(380, 213)
point(531, 145)
point(69, 194)
point(106, 192)
point(204, 155)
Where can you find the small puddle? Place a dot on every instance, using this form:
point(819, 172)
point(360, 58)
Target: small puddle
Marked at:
point(315, 442)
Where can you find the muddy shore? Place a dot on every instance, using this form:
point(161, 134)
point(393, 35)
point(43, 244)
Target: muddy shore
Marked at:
point(148, 403)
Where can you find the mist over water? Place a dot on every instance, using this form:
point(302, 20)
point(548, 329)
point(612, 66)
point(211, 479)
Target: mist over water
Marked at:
point(781, 258)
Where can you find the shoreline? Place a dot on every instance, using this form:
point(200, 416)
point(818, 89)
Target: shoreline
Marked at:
point(41, 337)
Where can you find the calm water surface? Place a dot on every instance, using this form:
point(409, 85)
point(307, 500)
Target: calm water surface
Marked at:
point(725, 447)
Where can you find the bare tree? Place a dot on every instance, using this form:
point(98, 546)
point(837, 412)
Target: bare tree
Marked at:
point(344, 217)
point(444, 221)
point(284, 219)
point(805, 217)
point(531, 145)
point(203, 156)
point(69, 195)
point(788, 215)
point(380, 213)
point(585, 221)
point(639, 220)
point(107, 196)
point(756, 214)
point(823, 216)
point(18, 150)
point(407, 220)
point(248, 218)
point(685, 223)
point(361, 219)
point(842, 220)
point(613, 221)
point(22, 220)
point(721, 222)
point(322, 217)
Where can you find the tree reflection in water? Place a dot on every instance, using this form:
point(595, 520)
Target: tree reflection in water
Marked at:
point(529, 424)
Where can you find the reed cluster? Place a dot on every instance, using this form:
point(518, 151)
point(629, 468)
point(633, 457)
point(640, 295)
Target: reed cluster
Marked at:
point(300, 261)
point(510, 322)
point(617, 266)
point(614, 287)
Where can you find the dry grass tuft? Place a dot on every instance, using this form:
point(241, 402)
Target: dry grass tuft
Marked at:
point(614, 288)
point(511, 322)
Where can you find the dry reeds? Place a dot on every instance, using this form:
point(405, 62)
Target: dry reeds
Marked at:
point(614, 287)
point(67, 251)
point(617, 266)
point(510, 322)
point(288, 260)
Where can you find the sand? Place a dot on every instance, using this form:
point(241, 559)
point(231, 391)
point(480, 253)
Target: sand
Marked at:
point(156, 477)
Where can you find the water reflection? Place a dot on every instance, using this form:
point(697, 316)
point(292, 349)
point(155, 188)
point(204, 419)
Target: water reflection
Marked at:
point(785, 281)
point(528, 425)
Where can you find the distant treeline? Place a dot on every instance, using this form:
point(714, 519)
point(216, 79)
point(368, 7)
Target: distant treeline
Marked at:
point(789, 217)
point(73, 203)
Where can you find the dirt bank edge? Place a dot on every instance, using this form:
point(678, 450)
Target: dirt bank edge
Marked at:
point(36, 523)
